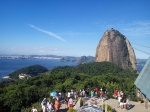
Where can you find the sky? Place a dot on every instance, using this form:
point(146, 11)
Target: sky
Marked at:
point(71, 27)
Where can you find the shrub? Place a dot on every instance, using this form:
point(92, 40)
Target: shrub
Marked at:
point(109, 108)
point(71, 110)
point(81, 102)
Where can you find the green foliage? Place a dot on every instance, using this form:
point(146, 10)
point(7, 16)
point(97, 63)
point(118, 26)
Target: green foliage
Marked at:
point(109, 108)
point(81, 102)
point(71, 110)
point(21, 95)
point(138, 99)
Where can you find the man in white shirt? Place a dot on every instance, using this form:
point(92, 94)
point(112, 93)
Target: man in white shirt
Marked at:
point(69, 94)
point(70, 103)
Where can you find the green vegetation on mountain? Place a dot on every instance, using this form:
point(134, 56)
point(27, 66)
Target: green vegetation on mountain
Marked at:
point(20, 95)
point(33, 70)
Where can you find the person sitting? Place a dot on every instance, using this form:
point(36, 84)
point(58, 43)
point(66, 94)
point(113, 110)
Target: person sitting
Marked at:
point(43, 104)
point(128, 105)
point(124, 102)
point(121, 103)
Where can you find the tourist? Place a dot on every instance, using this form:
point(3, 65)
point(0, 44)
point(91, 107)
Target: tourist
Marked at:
point(34, 109)
point(124, 102)
point(66, 101)
point(43, 104)
point(101, 94)
point(118, 94)
point(69, 94)
point(121, 103)
point(75, 94)
point(121, 93)
point(119, 99)
point(57, 105)
point(70, 103)
point(87, 92)
point(115, 94)
point(49, 106)
point(83, 93)
point(92, 93)
point(128, 105)
point(96, 91)
point(60, 95)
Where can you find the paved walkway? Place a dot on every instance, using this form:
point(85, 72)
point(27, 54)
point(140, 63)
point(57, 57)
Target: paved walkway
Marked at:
point(113, 103)
point(136, 106)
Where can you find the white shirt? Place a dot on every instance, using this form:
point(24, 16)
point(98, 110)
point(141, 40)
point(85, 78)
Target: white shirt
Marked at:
point(49, 105)
point(68, 94)
point(119, 99)
point(70, 101)
point(34, 110)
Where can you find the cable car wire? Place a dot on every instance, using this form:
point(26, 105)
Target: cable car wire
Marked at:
point(142, 51)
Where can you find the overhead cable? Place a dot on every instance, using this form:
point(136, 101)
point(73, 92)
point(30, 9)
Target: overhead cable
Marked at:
point(142, 51)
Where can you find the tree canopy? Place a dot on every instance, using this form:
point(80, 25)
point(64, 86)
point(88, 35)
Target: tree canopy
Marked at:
point(14, 96)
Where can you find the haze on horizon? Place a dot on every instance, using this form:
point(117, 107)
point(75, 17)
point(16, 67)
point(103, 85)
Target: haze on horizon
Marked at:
point(71, 27)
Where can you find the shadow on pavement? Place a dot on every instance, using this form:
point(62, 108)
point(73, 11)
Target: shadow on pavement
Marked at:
point(63, 110)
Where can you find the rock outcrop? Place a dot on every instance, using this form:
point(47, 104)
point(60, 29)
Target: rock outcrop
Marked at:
point(116, 48)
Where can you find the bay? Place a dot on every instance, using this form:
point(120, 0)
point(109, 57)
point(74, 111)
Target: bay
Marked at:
point(8, 66)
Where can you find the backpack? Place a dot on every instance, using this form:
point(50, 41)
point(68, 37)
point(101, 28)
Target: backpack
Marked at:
point(44, 102)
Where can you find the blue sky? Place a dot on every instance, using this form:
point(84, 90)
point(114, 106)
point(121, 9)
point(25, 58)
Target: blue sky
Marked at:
point(71, 27)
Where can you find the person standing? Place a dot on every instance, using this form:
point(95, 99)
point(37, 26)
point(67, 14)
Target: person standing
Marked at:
point(69, 94)
point(44, 104)
point(70, 103)
point(57, 105)
point(101, 94)
point(92, 93)
point(66, 101)
point(96, 91)
point(34, 109)
point(49, 106)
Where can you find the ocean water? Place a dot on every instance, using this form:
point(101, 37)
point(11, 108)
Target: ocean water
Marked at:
point(8, 66)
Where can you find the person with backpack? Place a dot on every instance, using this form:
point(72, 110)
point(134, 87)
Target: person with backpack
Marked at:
point(44, 105)
point(49, 106)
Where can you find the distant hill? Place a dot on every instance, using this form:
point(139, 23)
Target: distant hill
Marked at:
point(141, 61)
point(140, 64)
point(33, 70)
point(85, 59)
point(79, 60)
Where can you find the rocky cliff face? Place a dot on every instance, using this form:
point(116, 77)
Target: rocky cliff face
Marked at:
point(115, 47)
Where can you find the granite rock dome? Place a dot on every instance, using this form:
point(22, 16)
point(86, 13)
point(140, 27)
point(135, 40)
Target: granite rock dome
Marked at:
point(115, 47)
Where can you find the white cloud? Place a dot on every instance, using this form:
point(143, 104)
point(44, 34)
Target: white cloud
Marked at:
point(30, 50)
point(46, 32)
point(130, 29)
point(137, 29)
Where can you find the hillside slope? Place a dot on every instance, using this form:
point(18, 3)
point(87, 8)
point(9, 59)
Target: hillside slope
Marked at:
point(22, 94)
point(33, 70)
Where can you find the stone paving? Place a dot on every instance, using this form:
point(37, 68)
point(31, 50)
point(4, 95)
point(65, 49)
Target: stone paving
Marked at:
point(137, 107)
